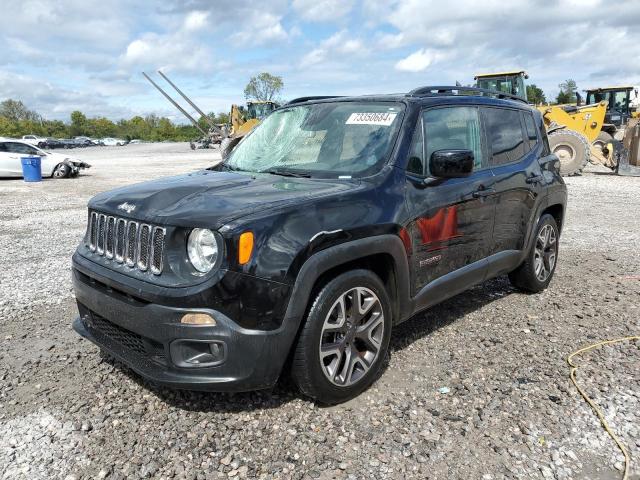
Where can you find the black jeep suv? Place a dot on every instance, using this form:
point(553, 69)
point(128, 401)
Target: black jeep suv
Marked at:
point(334, 220)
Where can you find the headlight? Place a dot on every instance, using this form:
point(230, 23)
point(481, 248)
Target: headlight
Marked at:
point(202, 249)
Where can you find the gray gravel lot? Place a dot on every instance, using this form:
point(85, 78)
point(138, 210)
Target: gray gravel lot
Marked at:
point(510, 410)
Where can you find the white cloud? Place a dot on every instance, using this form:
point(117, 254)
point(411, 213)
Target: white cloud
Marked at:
point(552, 40)
point(56, 102)
point(323, 10)
point(416, 62)
point(173, 51)
point(87, 54)
point(264, 28)
point(339, 46)
point(196, 20)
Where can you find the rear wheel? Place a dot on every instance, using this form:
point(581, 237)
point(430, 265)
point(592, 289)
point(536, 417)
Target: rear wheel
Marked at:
point(572, 149)
point(535, 274)
point(345, 338)
point(600, 143)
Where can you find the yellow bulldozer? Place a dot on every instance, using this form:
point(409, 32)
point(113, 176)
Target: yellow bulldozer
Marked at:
point(572, 130)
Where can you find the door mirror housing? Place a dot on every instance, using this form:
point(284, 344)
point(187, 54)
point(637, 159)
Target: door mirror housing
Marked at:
point(451, 163)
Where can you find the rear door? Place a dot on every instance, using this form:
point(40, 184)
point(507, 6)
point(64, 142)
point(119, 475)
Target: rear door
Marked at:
point(515, 146)
point(451, 219)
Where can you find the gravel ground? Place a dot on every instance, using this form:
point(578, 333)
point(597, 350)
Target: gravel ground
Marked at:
point(477, 387)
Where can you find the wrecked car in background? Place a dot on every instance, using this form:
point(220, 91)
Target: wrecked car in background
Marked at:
point(55, 165)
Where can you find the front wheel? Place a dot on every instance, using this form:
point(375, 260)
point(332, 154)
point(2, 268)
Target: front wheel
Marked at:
point(536, 272)
point(62, 171)
point(601, 143)
point(345, 338)
point(572, 149)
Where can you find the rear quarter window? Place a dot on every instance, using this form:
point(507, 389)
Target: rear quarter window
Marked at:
point(532, 131)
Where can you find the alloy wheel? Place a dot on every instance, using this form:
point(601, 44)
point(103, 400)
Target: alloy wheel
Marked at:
point(351, 336)
point(545, 253)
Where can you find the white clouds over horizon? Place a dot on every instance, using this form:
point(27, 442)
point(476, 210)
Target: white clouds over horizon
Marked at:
point(87, 55)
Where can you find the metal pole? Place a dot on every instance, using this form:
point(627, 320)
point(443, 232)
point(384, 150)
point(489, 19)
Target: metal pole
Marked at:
point(184, 112)
point(195, 107)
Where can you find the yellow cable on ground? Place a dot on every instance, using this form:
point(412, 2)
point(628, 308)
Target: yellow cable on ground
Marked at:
point(574, 368)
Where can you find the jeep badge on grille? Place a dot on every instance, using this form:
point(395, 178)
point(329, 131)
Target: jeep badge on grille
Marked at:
point(127, 207)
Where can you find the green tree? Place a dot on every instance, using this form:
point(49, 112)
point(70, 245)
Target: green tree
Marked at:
point(222, 117)
point(567, 92)
point(264, 87)
point(17, 120)
point(78, 123)
point(535, 95)
point(16, 111)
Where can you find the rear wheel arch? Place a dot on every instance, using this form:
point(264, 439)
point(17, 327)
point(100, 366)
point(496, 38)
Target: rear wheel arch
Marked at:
point(557, 212)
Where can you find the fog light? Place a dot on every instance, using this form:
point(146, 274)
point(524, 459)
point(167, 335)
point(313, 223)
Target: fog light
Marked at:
point(197, 353)
point(198, 319)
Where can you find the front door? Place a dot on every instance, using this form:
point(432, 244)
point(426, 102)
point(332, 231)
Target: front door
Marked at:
point(10, 165)
point(451, 219)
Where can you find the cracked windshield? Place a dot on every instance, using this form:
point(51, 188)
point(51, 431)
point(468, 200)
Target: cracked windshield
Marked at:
point(324, 140)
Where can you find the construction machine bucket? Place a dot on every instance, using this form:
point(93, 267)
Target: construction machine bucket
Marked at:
point(628, 161)
point(624, 167)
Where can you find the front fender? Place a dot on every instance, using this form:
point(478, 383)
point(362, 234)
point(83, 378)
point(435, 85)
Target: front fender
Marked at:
point(346, 252)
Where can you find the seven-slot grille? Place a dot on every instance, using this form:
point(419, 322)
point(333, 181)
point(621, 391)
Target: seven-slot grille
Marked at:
point(135, 244)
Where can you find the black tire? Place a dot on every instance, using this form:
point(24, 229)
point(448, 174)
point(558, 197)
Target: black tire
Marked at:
point(62, 171)
point(602, 141)
point(309, 372)
point(572, 148)
point(526, 277)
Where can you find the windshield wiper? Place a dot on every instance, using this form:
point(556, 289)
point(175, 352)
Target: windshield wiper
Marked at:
point(286, 173)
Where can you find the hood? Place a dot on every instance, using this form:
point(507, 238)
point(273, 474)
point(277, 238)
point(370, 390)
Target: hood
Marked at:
point(208, 198)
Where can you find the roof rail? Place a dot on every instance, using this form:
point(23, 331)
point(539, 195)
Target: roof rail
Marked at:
point(432, 91)
point(307, 99)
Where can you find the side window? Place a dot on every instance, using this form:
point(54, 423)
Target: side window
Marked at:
point(546, 150)
point(416, 163)
point(3, 147)
point(453, 128)
point(21, 148)
point(504, 132)
point(532, 132)
point(12, 147)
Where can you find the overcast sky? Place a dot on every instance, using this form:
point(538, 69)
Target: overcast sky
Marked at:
point(61, 55)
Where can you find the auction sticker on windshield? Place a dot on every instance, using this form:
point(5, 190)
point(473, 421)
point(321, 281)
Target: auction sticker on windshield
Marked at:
point(383, 118)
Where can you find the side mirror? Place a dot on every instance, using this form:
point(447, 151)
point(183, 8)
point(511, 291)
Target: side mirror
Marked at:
point(451, 163)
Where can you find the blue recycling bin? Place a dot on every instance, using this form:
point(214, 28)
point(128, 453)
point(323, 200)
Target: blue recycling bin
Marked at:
point(31, 169)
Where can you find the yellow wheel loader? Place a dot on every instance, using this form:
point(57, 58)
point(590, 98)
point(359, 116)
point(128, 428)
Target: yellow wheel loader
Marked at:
point(243, 120)
point(622, 105)
point(571, 129)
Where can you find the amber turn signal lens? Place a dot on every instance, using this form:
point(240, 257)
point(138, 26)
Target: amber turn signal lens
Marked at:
point(198, 319)
point(245, 248)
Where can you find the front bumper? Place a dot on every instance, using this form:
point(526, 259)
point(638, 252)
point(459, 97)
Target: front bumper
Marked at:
point(140, 334)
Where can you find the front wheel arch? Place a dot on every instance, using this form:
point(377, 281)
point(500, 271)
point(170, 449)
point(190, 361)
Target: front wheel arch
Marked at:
point(350, 255)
